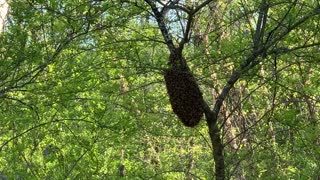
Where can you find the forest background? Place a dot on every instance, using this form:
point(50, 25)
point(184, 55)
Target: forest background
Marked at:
point(83, 95)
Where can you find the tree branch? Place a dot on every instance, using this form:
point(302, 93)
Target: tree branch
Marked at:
point(162, 26)
point(198, 8)
point(250, 62)
point(185, 38)
point(262, 20)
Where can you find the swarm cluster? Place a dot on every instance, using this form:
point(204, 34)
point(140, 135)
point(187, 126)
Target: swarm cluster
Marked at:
point(185, 96)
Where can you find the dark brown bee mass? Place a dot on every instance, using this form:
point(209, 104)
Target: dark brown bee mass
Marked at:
point(185, 96)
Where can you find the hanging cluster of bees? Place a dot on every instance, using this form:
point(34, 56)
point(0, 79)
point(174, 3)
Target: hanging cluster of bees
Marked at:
point(185, 95)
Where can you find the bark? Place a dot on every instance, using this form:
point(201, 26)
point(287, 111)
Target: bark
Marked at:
point(217, 153)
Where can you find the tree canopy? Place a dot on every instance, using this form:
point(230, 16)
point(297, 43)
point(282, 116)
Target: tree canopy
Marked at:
point(83, 93)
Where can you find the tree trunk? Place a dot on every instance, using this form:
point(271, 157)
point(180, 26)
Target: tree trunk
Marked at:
point(176, 55)
point(217, 153)
point(217, 146)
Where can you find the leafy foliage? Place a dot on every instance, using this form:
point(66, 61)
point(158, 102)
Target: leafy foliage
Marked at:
point(82, 90)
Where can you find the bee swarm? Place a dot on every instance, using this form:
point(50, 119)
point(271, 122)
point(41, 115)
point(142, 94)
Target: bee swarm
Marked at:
point(185, 96)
